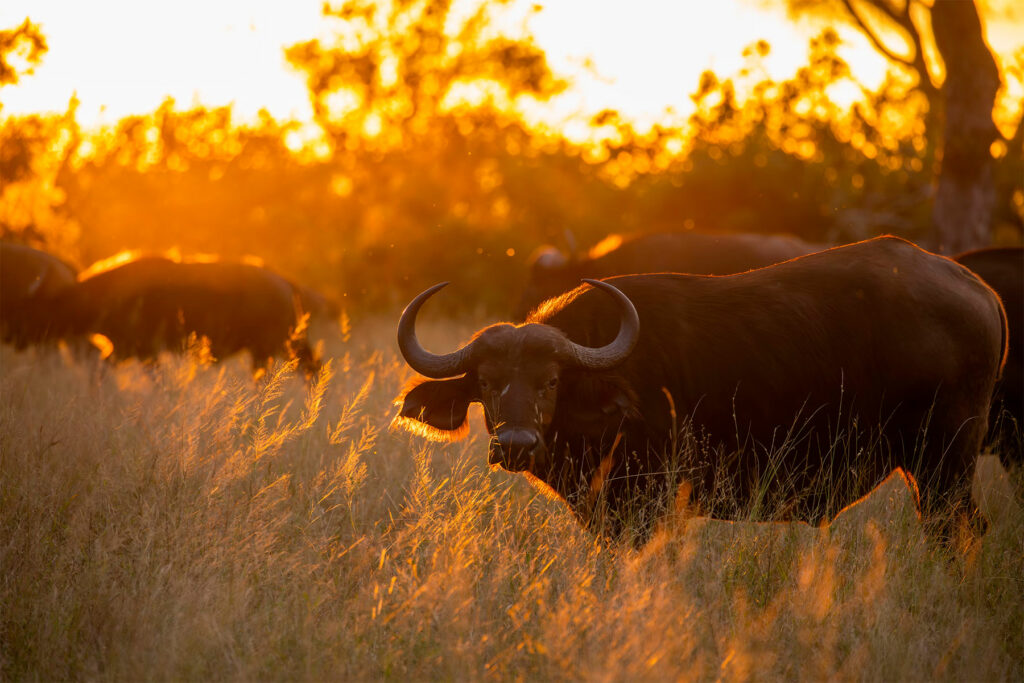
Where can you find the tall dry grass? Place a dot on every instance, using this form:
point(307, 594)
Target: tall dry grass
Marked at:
point(182, 521)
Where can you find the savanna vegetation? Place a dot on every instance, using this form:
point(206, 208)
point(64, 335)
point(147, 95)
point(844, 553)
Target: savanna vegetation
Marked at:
point(181, 520)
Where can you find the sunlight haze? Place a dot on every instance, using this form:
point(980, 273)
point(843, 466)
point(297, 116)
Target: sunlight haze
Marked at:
point(124, 57)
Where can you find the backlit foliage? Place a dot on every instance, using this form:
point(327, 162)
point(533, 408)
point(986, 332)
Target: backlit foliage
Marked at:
point(819, 167)
point(394, 67)
point(21, 50)
point(417, 168)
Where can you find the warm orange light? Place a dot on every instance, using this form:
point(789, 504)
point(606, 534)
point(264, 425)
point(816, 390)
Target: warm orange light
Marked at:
point(103, 344)
point(608, 244)
point(111, 262)
point(425, 431)
point(617, 54)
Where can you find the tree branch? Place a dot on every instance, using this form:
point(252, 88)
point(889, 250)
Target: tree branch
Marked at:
point(875, 40)
point(904, 21)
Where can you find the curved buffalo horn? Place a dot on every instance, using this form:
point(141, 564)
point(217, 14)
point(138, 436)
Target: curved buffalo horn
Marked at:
point(629, 332)
point(418, 358)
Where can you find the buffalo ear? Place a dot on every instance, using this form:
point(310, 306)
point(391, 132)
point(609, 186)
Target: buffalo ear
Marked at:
point(600, 401)
point(618, 400)
point(437, 408)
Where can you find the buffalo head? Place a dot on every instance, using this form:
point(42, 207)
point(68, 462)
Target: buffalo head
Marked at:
point(514, 371)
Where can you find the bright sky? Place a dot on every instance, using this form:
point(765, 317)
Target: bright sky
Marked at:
point(125, 56)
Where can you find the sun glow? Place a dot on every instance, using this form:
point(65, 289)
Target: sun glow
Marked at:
point(643, 59)
point(125, 57)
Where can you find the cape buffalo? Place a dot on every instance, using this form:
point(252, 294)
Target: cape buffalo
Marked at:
point(553, 272)
point(590, 395)
point(1002, 269)
point(320, 307)
point(30, 280)
point(147, 304)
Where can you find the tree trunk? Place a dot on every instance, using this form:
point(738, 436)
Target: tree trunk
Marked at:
point(965, 193)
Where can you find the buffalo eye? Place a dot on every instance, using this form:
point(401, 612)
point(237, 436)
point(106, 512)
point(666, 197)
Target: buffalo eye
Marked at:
point(484, 385)
point(552, 383)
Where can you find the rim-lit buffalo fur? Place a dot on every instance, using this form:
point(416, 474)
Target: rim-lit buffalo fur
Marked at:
point(879, 336)
point(553, 273)
point(30, 280)
point(1002, 269)
point(149, 304)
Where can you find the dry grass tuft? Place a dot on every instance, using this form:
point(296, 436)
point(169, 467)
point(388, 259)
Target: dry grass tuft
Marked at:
point(183, 521)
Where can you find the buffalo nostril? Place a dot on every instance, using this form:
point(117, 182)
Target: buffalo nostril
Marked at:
point(515, 449)
point(515, 440)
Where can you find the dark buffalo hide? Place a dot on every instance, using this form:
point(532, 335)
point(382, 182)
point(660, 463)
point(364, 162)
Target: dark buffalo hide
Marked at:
point(30, 281)
point(1002, 269)
point(149, 304)
point(787, 391)
point(553, 272)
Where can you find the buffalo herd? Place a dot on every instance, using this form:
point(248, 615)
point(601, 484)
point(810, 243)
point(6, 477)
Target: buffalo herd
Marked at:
point(145, 304)
point(760, 375)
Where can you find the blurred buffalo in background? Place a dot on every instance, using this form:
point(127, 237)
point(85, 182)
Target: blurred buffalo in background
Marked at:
point(553, 272)
point(320, 308)
point(30, 282)
point(147, 304)
point(1002, 269)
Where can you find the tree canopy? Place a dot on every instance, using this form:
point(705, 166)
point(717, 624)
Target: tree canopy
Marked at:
point(417, 167)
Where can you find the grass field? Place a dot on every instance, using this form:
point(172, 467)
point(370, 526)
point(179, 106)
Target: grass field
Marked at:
point(187, 522)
